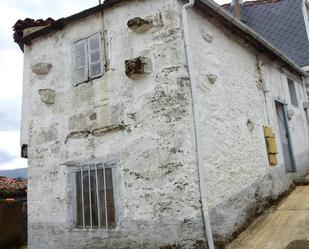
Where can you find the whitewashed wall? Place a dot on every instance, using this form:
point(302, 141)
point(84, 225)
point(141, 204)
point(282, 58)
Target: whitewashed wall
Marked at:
point(240, 182)
point(157, 197)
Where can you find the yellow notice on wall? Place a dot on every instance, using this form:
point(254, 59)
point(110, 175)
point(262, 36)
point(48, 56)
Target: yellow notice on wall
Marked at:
point(271, 145)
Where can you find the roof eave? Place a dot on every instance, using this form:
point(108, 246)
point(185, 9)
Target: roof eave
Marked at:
point(62, 22)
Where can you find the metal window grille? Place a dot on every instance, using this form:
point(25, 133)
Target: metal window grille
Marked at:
point(94, 197)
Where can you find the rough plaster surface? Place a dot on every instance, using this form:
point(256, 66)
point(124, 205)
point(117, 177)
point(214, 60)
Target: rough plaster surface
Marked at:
point(240, 181)
point(145, 126)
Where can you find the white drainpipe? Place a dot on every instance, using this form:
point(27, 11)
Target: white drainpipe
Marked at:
point(197, 125)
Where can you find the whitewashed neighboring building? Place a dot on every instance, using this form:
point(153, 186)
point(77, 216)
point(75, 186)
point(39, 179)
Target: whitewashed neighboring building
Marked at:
point(124, 146)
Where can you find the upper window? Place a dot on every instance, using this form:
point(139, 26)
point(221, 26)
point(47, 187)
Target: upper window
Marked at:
point(94, 193)
point(87, 59)
point(293, 94)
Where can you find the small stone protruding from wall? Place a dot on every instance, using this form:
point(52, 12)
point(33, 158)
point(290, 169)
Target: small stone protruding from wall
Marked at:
point(47, 96)
point(250, 125)
point(93, 116)
point(139, 25)
point(212, 78)
point(96, 132)
point(207, 36)
point(77, 134)
point(41, 68)
point(138, 67)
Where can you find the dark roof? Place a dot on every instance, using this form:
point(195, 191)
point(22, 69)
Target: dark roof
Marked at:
point(281, 22)
point(208, 5)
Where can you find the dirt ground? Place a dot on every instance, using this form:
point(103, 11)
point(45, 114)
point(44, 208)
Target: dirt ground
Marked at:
point(285, 226)
point(298, 244)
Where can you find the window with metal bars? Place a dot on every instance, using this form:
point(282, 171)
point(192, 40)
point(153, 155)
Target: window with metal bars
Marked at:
point(95, 207)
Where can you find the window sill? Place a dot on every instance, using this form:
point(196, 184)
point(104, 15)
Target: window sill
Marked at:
point(103, 233)
point(87, 81)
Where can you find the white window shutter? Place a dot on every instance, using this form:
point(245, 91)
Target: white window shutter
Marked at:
point(95, 56)
point(80, 62)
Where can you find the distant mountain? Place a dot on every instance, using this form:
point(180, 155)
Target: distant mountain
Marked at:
point(14, 173)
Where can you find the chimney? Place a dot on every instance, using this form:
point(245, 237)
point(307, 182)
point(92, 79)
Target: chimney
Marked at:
point(237, 8)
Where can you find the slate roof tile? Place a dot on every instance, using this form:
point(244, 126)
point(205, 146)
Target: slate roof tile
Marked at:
point(280, 22)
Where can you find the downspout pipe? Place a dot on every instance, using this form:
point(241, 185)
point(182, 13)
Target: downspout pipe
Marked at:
point(197, 125)
point(289, 137)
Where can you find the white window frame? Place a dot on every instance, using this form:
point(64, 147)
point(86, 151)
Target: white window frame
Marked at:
point(88, 63)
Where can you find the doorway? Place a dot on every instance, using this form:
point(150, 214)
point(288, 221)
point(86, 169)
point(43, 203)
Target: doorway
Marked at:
point(285, 136)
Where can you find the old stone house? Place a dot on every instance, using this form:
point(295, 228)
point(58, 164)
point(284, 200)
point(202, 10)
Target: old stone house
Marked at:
point(151, 123)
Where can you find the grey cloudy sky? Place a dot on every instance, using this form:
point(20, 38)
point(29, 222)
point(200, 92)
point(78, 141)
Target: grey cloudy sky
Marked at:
point(11, 64)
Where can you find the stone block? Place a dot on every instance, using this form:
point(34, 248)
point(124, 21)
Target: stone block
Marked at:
point(138, 67)
point(207, 36)
point(106, 129)
point(77, 135)
point(212, 78)
point(41, 68)
point(47, 96)
point(139, 25)
point(93, 116)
